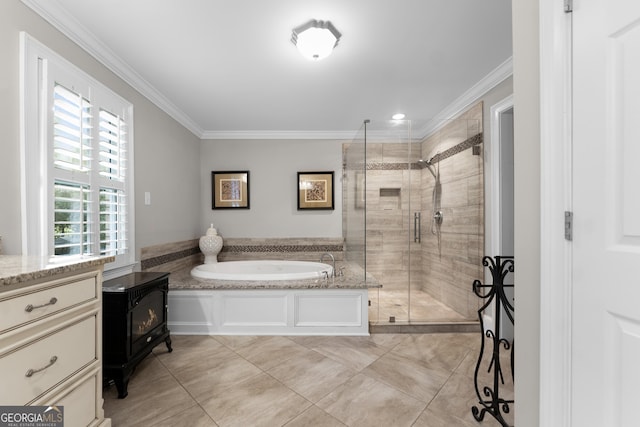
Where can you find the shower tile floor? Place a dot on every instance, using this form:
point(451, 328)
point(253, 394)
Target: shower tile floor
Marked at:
point(420, 380)
point(424, 308)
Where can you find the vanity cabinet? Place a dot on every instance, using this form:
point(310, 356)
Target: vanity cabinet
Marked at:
point(51, 339)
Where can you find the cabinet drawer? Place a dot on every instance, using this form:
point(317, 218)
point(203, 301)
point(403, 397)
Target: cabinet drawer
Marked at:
point(32, 306)
point(80, 405)
point(73, 347)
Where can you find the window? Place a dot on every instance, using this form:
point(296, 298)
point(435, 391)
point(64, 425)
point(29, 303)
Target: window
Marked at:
point(77, 169)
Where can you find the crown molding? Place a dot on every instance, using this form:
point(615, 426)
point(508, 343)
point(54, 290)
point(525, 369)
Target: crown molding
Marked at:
point(279, 134)
point(52, 12)
point(468, 98)
point(459, 105)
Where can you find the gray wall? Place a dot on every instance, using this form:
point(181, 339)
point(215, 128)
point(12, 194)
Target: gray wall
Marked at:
point(165, 152)
point(526, 94)
point(273, 167)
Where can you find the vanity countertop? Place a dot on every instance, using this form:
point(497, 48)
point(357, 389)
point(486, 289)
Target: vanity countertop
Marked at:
point(18, 269)
point(353, 278)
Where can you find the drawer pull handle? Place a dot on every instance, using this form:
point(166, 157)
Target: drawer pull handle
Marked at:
point(30, 372)
point(32, 307)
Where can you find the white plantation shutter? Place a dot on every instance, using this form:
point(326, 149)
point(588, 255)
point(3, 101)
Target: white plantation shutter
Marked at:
point(113, 222)
point(72, 219)
point(78, 162)
point(78, 174)
point(71, 130)
point(113, 147)
point(112, 170)
point(72, 161)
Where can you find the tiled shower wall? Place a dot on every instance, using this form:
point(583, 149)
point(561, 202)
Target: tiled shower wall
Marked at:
point(398, 186)
point(454, 260)
point(392, 197)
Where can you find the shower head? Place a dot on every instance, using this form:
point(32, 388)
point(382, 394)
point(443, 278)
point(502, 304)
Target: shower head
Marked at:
point(429, 166)
point(426, 162)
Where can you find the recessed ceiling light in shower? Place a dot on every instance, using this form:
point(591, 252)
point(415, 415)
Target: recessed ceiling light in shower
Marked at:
point(398, 116)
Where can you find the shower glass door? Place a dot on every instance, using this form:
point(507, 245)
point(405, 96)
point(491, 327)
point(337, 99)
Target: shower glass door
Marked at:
point(353, 199)
point(393, 219)
point(414, 217)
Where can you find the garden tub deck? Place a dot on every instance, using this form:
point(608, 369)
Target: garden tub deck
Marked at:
point(333, 306)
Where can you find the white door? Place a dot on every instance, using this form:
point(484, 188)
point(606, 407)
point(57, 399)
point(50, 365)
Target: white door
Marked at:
point(606, 183)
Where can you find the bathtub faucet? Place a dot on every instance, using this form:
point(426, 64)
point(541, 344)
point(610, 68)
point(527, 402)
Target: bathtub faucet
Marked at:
point(333, 260)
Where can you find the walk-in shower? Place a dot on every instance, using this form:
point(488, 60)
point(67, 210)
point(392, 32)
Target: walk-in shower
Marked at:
point(413, 204)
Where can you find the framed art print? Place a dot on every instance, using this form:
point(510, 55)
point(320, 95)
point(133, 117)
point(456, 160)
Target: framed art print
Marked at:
point(230, 190)
point(315, 190)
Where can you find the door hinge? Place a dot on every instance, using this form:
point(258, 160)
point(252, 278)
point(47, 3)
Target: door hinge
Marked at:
point(568, 6)
point(568, 225)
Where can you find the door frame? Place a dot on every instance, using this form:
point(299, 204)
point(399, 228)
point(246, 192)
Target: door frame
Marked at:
point(494, 165)
point(556, 173)
point(493, 206)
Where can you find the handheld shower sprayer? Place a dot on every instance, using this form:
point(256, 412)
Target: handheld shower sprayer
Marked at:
point(429, 166)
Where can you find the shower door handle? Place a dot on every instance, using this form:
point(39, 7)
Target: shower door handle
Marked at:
point(416, 228)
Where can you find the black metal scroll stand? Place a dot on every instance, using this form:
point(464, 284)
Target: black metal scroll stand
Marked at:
point(489, 399)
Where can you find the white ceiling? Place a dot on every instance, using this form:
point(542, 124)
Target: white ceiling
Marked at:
point(227, 68)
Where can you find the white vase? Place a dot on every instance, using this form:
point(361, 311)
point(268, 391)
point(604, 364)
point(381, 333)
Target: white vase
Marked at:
point(210, 245)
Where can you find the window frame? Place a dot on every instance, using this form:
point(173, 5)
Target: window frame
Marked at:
point(41, 67)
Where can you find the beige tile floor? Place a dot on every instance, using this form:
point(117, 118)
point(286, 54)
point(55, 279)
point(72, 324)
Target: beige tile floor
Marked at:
point(421, 380)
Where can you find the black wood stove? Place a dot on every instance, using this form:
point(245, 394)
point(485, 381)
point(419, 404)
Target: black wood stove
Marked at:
point(134, 322)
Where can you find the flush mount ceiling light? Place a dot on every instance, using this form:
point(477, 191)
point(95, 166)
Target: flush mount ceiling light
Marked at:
point(315, 39)
point(398, 116)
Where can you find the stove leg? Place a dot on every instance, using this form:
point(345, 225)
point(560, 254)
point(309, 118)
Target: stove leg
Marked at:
point(122, 386)
point(167, 341)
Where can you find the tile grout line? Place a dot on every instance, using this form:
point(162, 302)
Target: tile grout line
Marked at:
point(388, 346)
point(451, 374)
point(276, 379)
point(197, 403)
point(356, 373)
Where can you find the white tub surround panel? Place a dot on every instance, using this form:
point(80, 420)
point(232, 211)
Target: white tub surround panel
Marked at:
point(333, 306)
point(269, 312)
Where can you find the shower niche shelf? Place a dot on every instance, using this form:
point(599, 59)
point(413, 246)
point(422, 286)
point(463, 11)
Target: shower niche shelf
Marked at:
point(390, 199)
point(389, 192)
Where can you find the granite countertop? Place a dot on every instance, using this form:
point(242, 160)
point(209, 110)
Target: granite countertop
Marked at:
point(353, 278)
point(17, 269)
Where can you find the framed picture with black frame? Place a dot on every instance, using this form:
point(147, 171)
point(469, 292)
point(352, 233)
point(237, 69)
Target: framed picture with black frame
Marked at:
point(315, 190)
point(230, 189)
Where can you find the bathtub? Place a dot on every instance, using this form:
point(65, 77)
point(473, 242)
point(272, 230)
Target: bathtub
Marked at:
point(268, 298)
point(261, 270)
